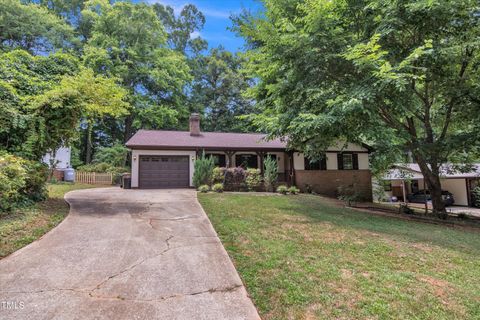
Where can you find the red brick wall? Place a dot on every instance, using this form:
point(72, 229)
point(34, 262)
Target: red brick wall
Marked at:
point(58, 174)
point(326, 182)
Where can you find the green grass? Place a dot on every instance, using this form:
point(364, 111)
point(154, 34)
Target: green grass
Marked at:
point(303, 258)
point(25, 225)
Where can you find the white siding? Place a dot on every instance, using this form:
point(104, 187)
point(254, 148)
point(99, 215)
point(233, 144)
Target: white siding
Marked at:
point(339, 146)
point(363, 163)
point(62, 156)
point(136, 157)
point(332, 163)
point(298, 161)
point(458, 188)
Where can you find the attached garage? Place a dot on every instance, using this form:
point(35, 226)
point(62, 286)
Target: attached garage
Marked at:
point(163, 171)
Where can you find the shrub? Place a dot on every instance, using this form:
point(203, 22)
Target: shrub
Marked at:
point(282, 189)
point(217, 187)
point(235, 179)
point(476, 196)
point(115, 156)
point(218, 175)
point(12, 180)
point(348, 194)
point(35, 181)
point(293, 190)
point(406, 209)
point(308, 188)
point(21, 181)
point(253, 179)
point(203, 171)
point(271, 173)
point(204, 188)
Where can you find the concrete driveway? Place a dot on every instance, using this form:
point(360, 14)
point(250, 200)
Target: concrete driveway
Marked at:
point(125, 254)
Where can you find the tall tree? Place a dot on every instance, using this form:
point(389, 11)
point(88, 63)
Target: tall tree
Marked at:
point(399, 75)
point(128, 41)
point(181, 29)
point(44, 99)
point(32, 27)
point(217, 91)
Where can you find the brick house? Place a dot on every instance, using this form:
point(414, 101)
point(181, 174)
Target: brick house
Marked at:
point(164, 159)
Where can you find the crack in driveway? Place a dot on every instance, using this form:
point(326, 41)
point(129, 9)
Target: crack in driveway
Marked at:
point(118, 297)
point(133, 266)
point(130, 254)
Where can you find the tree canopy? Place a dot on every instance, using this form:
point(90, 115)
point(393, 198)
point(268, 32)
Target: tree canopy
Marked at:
point(86, 60)
point(32, 27)
point(401, 76)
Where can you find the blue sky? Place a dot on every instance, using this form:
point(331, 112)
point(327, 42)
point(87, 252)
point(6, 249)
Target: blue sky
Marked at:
point(217, 13)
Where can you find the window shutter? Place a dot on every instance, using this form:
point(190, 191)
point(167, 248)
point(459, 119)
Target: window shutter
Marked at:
point(323, 163)
point(340, 161)
point(355, 161)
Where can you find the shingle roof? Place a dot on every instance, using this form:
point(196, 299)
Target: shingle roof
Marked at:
point(412, 171)
point(158, 139)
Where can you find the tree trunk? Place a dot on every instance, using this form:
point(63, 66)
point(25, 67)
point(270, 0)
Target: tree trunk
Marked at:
point(88, 146)
point(432, 180)
point(437, 201)
point(128, 128)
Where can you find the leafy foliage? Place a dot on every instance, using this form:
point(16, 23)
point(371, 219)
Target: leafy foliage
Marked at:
point(47, 97)
point(128, 41)
point(293, 190)
point(235, 179)
point(204, 188)
point(32, 27)
point(217, 187)
point(270, 174)
point(20, 181)
point(218, 91)
point(218, 175)
point(203, 171)
point(181, 27)
point(399, 76)
point(115, 156)
point(253, 179)
point(282, 189)
point(476, 196)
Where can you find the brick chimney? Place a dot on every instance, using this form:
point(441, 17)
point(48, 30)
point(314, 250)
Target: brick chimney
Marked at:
point(194, 124)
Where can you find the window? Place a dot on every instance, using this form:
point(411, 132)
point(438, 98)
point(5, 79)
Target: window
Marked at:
point(347, 161)
point(218, 159)
point(387, 185)
point(246, 160)
point(316, 165)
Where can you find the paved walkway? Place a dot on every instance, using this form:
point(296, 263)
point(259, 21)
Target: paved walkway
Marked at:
point(125, 254)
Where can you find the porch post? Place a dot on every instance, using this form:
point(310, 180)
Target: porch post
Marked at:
point(229, 158)
point(261, 154)
point(292, 168)
point(403, 191)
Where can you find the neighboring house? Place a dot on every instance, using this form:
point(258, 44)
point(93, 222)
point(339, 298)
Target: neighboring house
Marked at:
point(61, 161)
point(407, 178)
point(165, 159)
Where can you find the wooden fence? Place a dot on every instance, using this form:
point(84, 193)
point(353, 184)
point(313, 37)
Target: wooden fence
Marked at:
point(93, 177)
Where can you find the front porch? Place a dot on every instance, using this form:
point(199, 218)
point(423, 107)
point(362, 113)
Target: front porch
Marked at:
point(253, 159)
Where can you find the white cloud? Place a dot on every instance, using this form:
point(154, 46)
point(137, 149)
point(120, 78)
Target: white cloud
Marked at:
point(195, 34)
point(215, 13)
point(178, 6)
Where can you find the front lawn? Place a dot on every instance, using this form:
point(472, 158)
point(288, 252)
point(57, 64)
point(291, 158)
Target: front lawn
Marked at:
point(302, 258)
point(23, 226)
